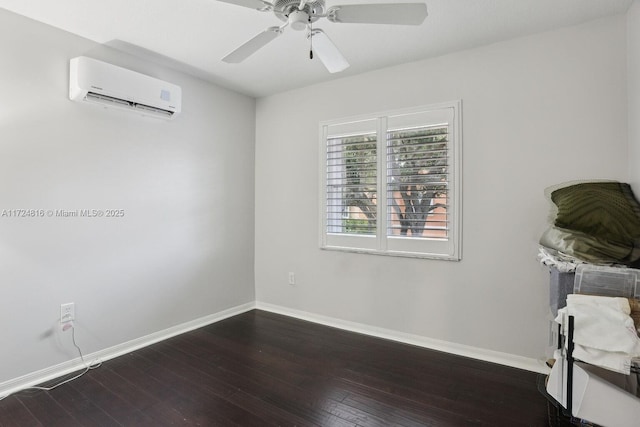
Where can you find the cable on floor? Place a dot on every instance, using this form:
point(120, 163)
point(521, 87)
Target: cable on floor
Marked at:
point(87, 367)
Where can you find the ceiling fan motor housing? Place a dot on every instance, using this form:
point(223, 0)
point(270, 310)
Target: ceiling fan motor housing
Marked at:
point(288, 10)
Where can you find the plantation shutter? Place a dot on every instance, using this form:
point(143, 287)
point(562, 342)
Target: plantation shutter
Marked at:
point(391, 183)
point(351, 184)
point(418, 181)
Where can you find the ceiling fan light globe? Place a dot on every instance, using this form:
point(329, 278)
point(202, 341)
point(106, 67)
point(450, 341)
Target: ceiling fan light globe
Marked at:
point(298, 20)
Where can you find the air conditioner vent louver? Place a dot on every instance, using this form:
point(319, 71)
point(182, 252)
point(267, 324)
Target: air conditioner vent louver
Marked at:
point(107, 101)
point(97, 82)
point(103, 99)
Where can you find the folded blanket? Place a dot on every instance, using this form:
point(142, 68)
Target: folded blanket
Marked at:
point(604, 334)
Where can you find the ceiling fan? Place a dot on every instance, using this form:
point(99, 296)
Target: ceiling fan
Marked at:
point(302, 14)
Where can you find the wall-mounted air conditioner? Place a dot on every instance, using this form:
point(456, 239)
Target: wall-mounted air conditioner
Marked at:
point(108, 85)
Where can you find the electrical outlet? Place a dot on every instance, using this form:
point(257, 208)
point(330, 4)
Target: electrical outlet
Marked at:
point(292, 278)
point(67, 312)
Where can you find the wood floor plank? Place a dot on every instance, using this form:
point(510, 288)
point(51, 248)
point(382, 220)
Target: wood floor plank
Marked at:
point(120, 410)
point(81, 407)
point(276, 394)
point(47, 410)
point(384, 408)
point(263, 369)
point(14, 413)
point(137, 373)
point(270, 414)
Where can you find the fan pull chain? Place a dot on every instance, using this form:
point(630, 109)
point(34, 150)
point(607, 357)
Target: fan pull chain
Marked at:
point(310, 39)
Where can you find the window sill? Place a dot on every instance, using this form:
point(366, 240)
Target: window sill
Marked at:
point(402, 254)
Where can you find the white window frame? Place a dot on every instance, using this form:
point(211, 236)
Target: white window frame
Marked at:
point(381, 244)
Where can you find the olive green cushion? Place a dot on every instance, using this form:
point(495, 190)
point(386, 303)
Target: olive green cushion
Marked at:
point(606, 210)
point(596, 221)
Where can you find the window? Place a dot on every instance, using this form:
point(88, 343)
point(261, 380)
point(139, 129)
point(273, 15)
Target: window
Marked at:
point(391, 183)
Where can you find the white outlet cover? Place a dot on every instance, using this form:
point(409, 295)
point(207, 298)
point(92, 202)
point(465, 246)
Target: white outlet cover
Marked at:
point(67, 312)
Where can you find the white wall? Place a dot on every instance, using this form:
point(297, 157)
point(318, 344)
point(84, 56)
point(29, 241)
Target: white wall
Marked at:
point(184, 249)
point(537, 111)
point(633, 73)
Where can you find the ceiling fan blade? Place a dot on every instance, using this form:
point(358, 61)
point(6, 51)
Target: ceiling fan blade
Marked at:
point(252, 4)
point(386, 13)
point(328, 52)
point(252, 46)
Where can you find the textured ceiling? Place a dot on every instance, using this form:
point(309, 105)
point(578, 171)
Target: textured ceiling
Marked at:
point(193, 35)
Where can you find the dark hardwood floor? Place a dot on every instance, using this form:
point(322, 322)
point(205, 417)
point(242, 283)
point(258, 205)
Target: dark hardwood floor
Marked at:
point(260, 369)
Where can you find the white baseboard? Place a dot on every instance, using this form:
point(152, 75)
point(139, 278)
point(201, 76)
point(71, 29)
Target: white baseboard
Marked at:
point(506, 359)
point(47, 374)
